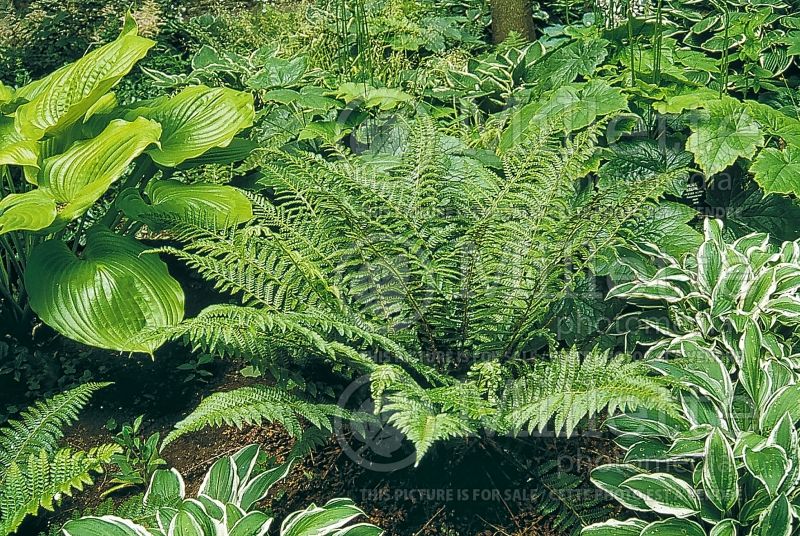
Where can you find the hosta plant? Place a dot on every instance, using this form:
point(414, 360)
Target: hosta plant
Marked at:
point(728, 462)
point(225, 505)
point(82, 174)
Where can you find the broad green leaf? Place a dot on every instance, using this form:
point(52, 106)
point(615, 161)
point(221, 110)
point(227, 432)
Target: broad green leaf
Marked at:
point(320, 520)
point(613, 527)
point(692, 100)
point(563, 65)
point(785, 401)
point(213, 203)
point(23, 153)
point(77, 178)
point(727, 133)
point(720, 477)
point(360, 529)
point(778, 171)
point(673, 527)
point(185, 524)
point(769, 465)
point(726, 527)
point(664, 494)
point(776, 520)
point(221, 481)
point(166, 488)
point(253, 524)
point(609, 478)
point(107, 296)
point(709, 266)
point(197, 119)
point(30, 211)
point(67, 94)
point(257, 488)
point(103, 526)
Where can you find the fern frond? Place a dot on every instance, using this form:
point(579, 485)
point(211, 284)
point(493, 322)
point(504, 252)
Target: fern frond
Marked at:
point(567, 389)
point(41, 426)
point(254, 405)
point(42, 478)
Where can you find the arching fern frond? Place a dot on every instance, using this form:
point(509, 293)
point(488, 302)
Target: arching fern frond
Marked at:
point(567, 389)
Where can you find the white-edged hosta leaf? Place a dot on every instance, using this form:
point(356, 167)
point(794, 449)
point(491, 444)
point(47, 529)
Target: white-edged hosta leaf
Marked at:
point(185, 524)
point(103, 526)
point(769, 465)
point(219, 204)
point(253, 524)
point(673, 527)
point(29, 211)
point(359, 529)
point(609, 478)
point(166, 488)
point(614, 527)
point(67, 94)
point(786, 400)
point(778, 171)
point(726, 527)
point(258, 487)
point(776, 519)
point(720, 477)
point(725, 134)
point(77, 178)
point(221, 481)
point(106, 296)
point(664, 494)
point(334, 515)
point(197, 119)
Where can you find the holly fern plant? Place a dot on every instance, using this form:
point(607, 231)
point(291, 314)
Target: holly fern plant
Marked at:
point(80, 175)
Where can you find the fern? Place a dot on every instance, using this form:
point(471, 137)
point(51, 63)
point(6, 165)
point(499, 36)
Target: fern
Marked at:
point(254, 405)
point(42, 478)
point(567, 389)
point(41, 425)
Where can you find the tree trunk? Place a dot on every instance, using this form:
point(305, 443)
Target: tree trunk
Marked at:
point(511, 16)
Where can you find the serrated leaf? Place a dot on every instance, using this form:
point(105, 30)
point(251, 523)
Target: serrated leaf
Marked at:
point(778, 171)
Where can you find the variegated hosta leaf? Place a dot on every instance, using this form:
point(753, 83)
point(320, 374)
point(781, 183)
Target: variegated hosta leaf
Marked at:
point(77, 178)
point(103, 526)
point(106, 296)
point(335, 514)
point(613, 527)
point(65, 95)
point(196, 120)
point(664, 494)
point(720, 476)
point(609, 478)
point(776, 520)
point(769, 465)
point(30, 211)
point(673, 527)
point(213, 203)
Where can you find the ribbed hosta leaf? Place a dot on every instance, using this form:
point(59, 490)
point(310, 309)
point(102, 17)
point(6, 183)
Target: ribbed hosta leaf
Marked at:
point(220, 204)
point(65, 95)
point(105, 297)
point(81, 175)
point(30, 211)
point(196, 120)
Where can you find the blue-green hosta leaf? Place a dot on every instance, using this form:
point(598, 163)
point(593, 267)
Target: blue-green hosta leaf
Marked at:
point(77, 178)
point(30, 211)
point(198, 119)
point(725, 134)
point(720, 477)
point(67, 94)
point(778, 171)
point(107, 296)
point(769, 465)
point(223, 205)
point(103, 526)
point(614, 527)
point(664, 494)
point(776, 519)
point(673, 527)
point(326, 519)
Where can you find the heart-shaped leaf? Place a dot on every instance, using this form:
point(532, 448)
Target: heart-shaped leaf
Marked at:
point(214, 203)
point(65, 95)
point(196, 120)
point(107, 296)
point(30, 211)
point(78, 177)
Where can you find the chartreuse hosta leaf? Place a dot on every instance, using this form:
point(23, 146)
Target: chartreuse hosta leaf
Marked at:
point(30, 211)
point(77, 178)
point(216, 204)
point(61, 98)
point(106, 296)
point(726, 133)
point(196, 120)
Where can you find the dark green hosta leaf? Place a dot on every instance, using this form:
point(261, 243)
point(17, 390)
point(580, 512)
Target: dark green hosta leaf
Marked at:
point(673, 527)
point(105, 297)
point(720, 477)
point(726, 133)
point(220, 204)
point(664, 494)
point(197, 119)
point(769, 465)
point(64, 96)
point(30, 211)
point(77, 178)
point(778, 171)
point(776, 520)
